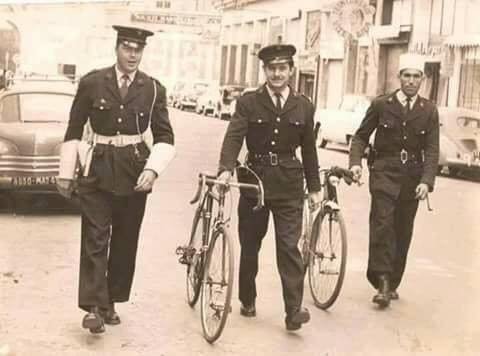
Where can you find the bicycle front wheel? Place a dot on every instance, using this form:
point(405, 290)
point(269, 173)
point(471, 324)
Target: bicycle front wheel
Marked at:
point(217, 285)
point(195, 258)
point(328, 257)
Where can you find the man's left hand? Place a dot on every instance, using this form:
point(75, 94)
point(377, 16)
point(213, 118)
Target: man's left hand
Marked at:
point(145, 181)
point(314, 200)
point(421, 191)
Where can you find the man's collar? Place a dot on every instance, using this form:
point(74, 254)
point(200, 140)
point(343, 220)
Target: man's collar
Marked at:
point(402, 98)
point(284, 93)
point(131, 76)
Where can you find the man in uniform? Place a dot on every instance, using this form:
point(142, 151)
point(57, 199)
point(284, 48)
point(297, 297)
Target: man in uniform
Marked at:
point(274, 120)
point(122, 104)
point(403, 165)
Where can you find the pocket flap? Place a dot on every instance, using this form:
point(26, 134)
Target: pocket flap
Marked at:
point(297, 121)
point(102, 104)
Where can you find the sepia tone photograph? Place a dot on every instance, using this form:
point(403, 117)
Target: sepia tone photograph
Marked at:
point(239, 177)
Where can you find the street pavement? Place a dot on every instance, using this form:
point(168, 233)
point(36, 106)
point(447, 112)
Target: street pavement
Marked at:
point(437, 313)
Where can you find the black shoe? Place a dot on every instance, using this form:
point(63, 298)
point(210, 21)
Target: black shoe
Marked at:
point(93, 321)
point(394, 295)
point(110, 316)
point(382, 298)
point(248, 311)
point(295, 319)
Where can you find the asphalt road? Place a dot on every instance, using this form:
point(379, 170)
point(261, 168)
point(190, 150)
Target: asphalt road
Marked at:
point(437, 313)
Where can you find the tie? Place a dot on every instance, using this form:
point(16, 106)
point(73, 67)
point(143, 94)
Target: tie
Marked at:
point(124, 87)
point(407, 105)
point(278, 103)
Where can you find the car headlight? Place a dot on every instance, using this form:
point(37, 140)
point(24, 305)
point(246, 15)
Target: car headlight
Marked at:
point(7, 148)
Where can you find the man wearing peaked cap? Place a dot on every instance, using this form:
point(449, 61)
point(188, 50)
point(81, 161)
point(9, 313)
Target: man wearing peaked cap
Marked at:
point(273, 121)
point(123, 105)
point(403, 164)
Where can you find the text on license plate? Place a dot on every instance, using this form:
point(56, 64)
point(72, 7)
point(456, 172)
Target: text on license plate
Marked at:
point(18, 181)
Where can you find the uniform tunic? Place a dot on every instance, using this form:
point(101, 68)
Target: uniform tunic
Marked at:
point(408, 135)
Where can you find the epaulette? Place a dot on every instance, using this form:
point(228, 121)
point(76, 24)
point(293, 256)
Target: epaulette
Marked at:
point(93, 71)
point(157, 81)
point(306, 97)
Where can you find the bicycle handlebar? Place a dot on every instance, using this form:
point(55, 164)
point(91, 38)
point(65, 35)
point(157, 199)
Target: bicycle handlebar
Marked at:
point(204, 178)
point(340, 173)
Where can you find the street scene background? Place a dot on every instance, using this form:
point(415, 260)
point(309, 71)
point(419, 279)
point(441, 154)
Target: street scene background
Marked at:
point(345, 48)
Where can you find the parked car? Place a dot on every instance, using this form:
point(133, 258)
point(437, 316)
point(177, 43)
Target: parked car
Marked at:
point(33, 119)
point(173, 98)
point(189, 93)
point(229, 96)
point(208, 102)
point(459, 140)
point(339, 125)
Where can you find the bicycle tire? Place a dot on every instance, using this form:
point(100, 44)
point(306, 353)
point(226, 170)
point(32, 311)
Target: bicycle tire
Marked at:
point(194, 270)
point(324, 295)
point(221, 238)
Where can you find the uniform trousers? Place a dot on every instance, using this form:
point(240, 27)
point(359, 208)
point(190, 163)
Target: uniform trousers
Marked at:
point(252, 227)
point(110, 229)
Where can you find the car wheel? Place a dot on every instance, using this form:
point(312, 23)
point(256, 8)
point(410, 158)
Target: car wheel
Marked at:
point(323, 143)
point(453, 172)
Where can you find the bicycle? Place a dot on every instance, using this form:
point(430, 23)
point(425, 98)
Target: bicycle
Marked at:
point(209, 255)
point(323, 243)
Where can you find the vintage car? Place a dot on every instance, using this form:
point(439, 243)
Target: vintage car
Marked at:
point(188, 94)
point(339, 125)
point(459, 140)
point(229, 96)
point(33, 119)
point(208, 102)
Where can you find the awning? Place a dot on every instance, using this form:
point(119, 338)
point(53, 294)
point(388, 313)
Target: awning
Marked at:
point(463, 40)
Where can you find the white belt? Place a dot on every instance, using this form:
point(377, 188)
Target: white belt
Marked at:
point(117, 140)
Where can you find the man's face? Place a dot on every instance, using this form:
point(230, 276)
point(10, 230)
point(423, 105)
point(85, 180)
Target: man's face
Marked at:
point(278, 75)
point(410, 81)
point(128, 58)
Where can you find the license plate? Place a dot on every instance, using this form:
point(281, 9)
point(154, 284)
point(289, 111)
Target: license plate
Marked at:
point(22, 181)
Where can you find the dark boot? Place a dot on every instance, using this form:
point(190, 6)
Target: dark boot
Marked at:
point(93, 321)
point(248, 310)
point(295, 319)
point(109, 315)
point(382, 298)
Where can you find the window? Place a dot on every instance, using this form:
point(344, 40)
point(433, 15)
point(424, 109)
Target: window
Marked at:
point(469, 96)
point(164, 4)
point(9, 109)
point(39, 107)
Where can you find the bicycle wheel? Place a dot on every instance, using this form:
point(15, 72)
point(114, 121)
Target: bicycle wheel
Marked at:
point(195, 257)
point(217, 285)
point(328, 257)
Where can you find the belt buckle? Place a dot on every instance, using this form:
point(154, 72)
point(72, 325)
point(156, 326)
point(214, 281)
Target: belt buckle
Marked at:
point(403, 156)
point(273, 159)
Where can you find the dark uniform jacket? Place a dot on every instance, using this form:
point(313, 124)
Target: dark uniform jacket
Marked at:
point(98, 99)
point(268, 131)
point(416, 132)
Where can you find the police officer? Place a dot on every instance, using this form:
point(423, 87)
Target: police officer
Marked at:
point(274, 121)
point(122, 105)
point(402, 172)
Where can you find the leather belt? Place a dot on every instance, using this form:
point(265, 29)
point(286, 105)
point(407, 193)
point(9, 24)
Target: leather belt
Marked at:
point(271, 158)
point(117, 140)
point(403, 156)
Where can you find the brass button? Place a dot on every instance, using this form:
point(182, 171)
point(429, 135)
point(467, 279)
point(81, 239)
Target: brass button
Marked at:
point(118, 132)
point(102, 100)
point(119, 120)
point(141, 114)
point(259, 120)
point(273, 143)
point(404, 123)
point(276, 131)
point(404, 137)
point(121, 107)
point(101, 107)
point(278, 119)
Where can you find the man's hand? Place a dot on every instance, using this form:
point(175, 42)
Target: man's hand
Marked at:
point(357, 172)
point(145, 181)
point(65, 187)
point(225, 177)
point(314, 200)
point(421, 191)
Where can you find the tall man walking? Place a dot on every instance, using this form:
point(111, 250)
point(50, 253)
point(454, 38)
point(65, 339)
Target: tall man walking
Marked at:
point(274, 121)
point(122, 103)
point(402, 167)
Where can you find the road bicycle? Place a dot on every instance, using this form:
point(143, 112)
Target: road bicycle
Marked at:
point(209, 255)
point(323, 242)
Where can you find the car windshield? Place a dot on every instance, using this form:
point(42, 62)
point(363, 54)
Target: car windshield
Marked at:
point(44, 107)
point(200, 88)
point(468, 122)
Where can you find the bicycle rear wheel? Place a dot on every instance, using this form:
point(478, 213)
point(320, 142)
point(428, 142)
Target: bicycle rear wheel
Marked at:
point(328, 257)
point(217, 285)
point(196, 259)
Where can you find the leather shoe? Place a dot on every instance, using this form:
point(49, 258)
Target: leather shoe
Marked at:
point(382, 298)
point(394, 295)
point(295, 319)
point(248, 311)
point(110, 316)
point(93, 321)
